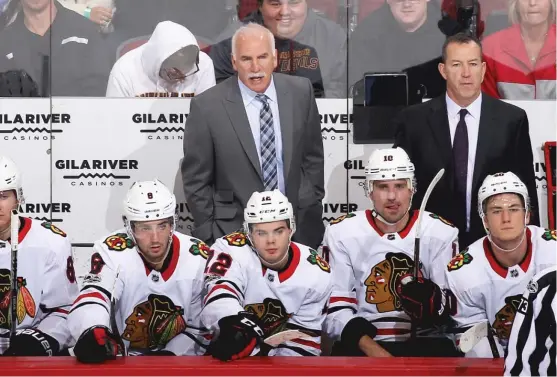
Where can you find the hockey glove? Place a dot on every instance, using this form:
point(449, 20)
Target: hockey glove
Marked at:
point(96, 345)
point(32, 342)
point(424, 301)
point(239, 335)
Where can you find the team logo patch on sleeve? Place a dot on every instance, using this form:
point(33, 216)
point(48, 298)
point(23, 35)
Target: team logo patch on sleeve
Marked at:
point(199, 248)
point(119, 242)
point(339, 219)
point(54, 229)
point(459, 261)
point(549, 235)
point(442, 219)
point(315, 259)
point(236, 239)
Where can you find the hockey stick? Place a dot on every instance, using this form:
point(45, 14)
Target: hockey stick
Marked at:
point(474, 334)
point(14, 240)
point(427, 194)
point(285, 336)
point(113, 324)
point(419, 229)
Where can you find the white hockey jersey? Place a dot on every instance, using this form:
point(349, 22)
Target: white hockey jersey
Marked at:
point(153, 309)
point(291, 299)
point(45, 278)
point(487, 291)
point(365, 264)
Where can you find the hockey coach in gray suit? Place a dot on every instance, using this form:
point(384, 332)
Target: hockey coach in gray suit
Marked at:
point(257, 131)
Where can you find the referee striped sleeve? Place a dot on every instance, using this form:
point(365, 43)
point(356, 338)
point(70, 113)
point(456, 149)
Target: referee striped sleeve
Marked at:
point(531, 349)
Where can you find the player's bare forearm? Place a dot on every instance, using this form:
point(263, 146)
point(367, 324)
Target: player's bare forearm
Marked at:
point(371, 348)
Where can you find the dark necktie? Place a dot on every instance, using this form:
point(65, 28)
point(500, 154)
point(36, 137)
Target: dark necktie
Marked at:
point(460, 156)
point(267, 143)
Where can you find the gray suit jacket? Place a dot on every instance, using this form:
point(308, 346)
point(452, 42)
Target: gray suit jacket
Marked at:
point(221, 166)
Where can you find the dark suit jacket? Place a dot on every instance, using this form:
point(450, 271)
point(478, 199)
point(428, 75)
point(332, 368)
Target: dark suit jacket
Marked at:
point(221, 166)
point(503, 145)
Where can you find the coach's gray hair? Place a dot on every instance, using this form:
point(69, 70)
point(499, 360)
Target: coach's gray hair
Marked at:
point(252, 29)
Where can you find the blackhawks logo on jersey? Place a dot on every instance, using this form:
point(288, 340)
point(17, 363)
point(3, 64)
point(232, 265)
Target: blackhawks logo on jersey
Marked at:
point(119, 242)
point(237, 239)
point(381, 282)
point(315, 259)
point(25, 304)
point(459, 260)
point(505, 317)
point(339, 219)
point(54, 229)
point(549, 234)
point(199, 248)
point(154, 323)
point(442, 219)
point(272, 314)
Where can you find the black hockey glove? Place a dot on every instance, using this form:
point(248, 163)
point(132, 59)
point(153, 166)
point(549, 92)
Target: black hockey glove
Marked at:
point(96, 345)
point(238, 337)
point(424, 301)
point(32, 342)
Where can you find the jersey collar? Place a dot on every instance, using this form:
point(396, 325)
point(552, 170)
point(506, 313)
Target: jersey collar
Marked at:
point(403, 233)
point(502, 270)
point(170, 263)
point(287, 271)
point(24, 227)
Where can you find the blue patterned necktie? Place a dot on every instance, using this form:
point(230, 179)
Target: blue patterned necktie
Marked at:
point(267, 143)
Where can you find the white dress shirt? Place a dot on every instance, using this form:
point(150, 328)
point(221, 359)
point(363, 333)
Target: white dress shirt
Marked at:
point(472, 120)
point(253, 109)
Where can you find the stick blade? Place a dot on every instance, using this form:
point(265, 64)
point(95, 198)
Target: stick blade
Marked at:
point(285, 336)
point(472, 336)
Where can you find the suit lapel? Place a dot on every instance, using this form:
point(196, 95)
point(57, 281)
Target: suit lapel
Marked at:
point(234, 106)
point(439, 124)
point(286, 108)
point(486, 133)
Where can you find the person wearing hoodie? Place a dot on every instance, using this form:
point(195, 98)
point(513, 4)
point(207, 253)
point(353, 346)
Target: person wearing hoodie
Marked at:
point(295, 27)
point(170, 64)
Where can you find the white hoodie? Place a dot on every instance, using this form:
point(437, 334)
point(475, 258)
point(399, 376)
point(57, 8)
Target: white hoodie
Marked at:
point(136, 74)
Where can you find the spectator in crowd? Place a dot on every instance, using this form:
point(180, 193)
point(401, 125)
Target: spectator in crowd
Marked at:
point(470, 135)
point(399, 35)
point(135, 18)
point(98, 11)
point(259, 131)
point(57, 47)
point(168, 65)
point(318, 44)
point(521, 59)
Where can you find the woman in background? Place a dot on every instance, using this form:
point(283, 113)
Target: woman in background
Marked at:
point(98, 11)
point(521, 59)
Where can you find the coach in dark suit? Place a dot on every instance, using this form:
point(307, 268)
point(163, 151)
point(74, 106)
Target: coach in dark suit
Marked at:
point(469, 134)
point(255, 132)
